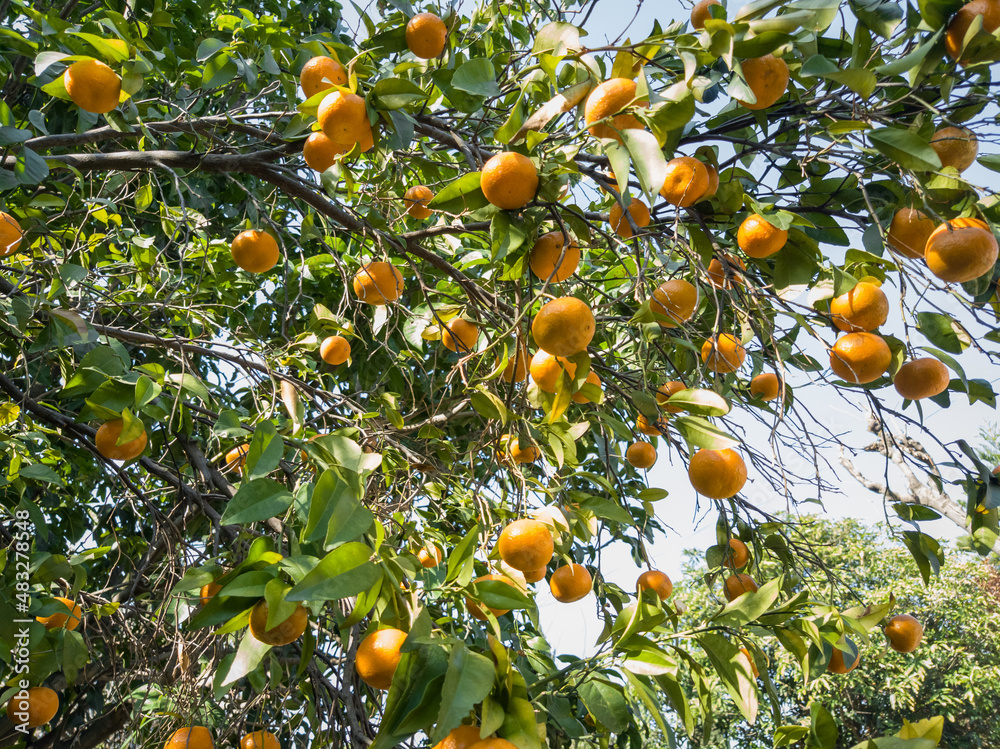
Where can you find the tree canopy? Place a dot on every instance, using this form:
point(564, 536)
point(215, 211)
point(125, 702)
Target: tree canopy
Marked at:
point(272, 292)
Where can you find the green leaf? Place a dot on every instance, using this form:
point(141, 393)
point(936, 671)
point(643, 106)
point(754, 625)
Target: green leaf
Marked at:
point(647, 157)
point(255, 501)
point(906, 148)
point(991, 161)
point(30, 168)
point(146, 391)
point(112, 50)
point(520, 725)
point(700, 432)
point(219, 71)
point(345, 571)
point(606, 703)
point(937, 12)
point(734, 670)
point(248, 656)
point(265, 451)
point(500, 595)
point(823, 733)
point(75, 654)
point(468, 681)
point(859, 80)
point(558, 38)
point(476, 77)
point(751, 605)
point(700, 402)
point(396, 93)
point(881, 16)
point(460, 195)
point(940, 330)
point(462, 552)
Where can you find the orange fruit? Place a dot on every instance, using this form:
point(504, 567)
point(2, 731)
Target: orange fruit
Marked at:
point(460, 335)
point(208, 592)
point(344, 118)
point(686, 181)
point(864, 307)
point(725, 276)
point(494, 744)
point(717, 474)
point(70, 620)
point(236, 458)
point(738, 584)
point(571, 582)
point(758, 238)
point(533, 576)
point(604, 101)
point(664, 392)
point(675, 300)
point(282, 633)
point(546, 253)
point(254, 251)
point(639, 212)
point(517, 364)
point(765, 386)
point(320, 152)
point(956, 146)
point(426, 35)
point(723, 353)
point(962, 20)
point(738, 556)
point(656, 581)
point(106, 440)
point(526, 545)
point(476, 610)
point(461, 737)
point(260, 740)
point(546, 368)
point(860, 358)
point(10, 234)
point(960, 250)
point(767, 77)
point(195, 737)
point(416, 199)
point(592, 379)
point(335, 350)
point(641, 454)
point(527, 454)
point(430, 558)
point(713, 182)
point(564, 326)
point(904, 633)
point(753, 666)
point(837, 664)
point(377, 283)
point(921, 378)
point(378, 656)
point(909, 231)
point(38, 708)
point(93, 86)
point(701, 13)
point(321, 73)
point(650, 429)
point(509, 180)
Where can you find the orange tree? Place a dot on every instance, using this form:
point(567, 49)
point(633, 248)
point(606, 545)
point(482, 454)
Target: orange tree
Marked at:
point(272, 292)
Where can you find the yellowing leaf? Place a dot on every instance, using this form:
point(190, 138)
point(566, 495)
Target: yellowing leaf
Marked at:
point(562, 102)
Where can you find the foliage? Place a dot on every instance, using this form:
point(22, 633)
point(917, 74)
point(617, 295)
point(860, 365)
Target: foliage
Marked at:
point(123, 301)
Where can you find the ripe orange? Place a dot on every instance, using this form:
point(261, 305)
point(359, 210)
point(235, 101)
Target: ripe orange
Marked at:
point(604, 101)
point(717, 474)
point(686, 181)
point(260, 740)
point(639, 212)
point(664, 392)
point(546, 368)
point(106, 440)
point(41, 706)
point(904, 633)
point(738, 584)
point(527, 454)
point(860, 357)
point(765, 386)
point(571, 582)
point(335, 350)
point(509, 180)
point(377, 283)
point(675, 300)
point(533, 576)
point(767, 77)
point(656, 581)
point(564, 326)
point(546, 253)
point(10, 234)
point(725, 276)
point(254, 251)
point(195, 737)
point(321, 73)
point(837, 664)
point(921, 378)
point(701, 13)
point(960, 250)
point(758, 238)
point(494, 744)
point(430, 558)
point(517, 364)
point(416, 199)
point(208, 592)
point(236, 458)
point(641, 454)
point(909, 231)
point(476, 610)
point(93, 86)
point(753, 666)
point(592, 379)
point(70, 620)
point(460, 335)
point(344, 118)
point(320, 152)
point(526, 545)
point(284, 632)
point(738, 556)
point(864, 307)
point(713, 182)
point(962, 20)
point(650, 429)
point(723, 353)
point(462, 737)
point(426, 35)
point(956, 146)
point(378, 656)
